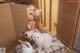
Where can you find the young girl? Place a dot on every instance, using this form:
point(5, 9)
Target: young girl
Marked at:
point(33, 17)
point(34, 22)
point(31, 22)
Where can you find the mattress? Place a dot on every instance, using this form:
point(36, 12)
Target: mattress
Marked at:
point(57, 47)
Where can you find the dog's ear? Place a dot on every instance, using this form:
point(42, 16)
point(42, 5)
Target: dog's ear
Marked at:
point(23, 32)
point(25, 35)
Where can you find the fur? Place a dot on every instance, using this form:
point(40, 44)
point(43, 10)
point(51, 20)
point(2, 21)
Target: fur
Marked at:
point(43, 40)
point(27, 48)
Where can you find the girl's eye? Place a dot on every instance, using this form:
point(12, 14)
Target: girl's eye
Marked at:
point(37, 37)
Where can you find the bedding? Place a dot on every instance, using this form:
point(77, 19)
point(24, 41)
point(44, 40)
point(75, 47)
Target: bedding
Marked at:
point(57, 47)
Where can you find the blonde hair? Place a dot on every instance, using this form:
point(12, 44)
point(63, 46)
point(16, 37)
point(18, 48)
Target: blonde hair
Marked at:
point(37, 23)
point(36, 14)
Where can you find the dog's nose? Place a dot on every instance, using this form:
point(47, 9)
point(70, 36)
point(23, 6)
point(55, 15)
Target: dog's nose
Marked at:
point(26, 36)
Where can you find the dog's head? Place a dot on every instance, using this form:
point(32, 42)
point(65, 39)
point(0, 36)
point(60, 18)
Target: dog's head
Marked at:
point(28, 34)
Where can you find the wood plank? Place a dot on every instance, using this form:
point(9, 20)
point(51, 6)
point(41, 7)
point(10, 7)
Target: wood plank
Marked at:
point(66, 21)
point(47, 13)
point(43, 8)
point(54, 14)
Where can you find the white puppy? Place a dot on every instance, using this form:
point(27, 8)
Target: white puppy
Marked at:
point(26, 47)
point(30, 33)
point(43, 40)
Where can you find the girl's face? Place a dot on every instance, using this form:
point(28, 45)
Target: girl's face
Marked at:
point(30, 17)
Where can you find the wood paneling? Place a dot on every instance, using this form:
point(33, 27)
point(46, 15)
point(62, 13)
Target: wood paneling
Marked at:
point(54, 15)
point(50, 17)
point(66, 21)
point(19, 14)
point(47, 13)
point(77, 35)
point(39, 4)
point(43, 8)
point(45, 18)
point(40, 7)
point(7, 33)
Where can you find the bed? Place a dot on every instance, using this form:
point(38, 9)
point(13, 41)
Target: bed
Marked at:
point(57, 47)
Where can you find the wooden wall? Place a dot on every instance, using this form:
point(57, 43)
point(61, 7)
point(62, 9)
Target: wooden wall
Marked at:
point(42, 4)
point(60, 17)
point(66, 21)
point(77, 35)
point(7, 32)
point(19, 13)
point(42, 7)
point(49, 14)
point(54, 16)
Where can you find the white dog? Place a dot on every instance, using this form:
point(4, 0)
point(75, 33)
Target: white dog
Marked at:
point(26, 47)
point(30, 33)
point(43, 40)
